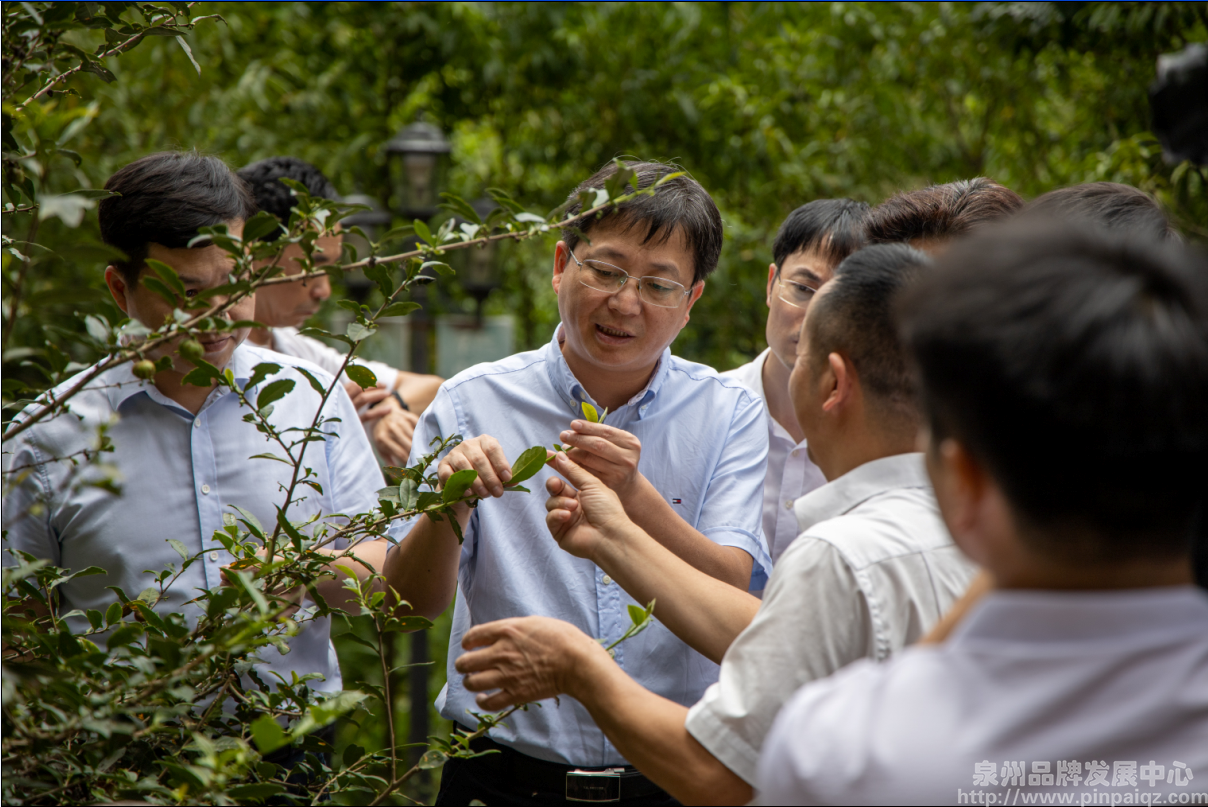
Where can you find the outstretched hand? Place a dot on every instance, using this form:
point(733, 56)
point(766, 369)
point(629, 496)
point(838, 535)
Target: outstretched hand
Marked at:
point(514, 661)
point(582, 516)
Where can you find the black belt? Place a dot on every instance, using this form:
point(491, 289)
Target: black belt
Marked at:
point(574, 782)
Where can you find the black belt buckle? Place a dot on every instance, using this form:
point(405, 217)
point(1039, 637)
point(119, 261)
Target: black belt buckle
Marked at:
point(594, 785)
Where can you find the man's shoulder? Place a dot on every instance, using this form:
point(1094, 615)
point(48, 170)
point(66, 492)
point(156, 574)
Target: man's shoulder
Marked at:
point(701, 379)
point(89, 407)
point(899, 522)
point(514, 369)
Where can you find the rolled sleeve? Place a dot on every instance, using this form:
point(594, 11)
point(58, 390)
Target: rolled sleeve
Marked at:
point(733, 510)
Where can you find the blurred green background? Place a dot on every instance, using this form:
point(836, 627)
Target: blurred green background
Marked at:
point(768, 105)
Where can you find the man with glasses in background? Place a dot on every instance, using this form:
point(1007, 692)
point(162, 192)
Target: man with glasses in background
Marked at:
point(684, 449)
point(812, 241)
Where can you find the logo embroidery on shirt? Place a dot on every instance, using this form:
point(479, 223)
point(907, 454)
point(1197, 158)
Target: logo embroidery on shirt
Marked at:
point(677, 501)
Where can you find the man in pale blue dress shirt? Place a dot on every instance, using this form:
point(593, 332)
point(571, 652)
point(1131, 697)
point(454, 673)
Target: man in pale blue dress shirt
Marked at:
point(685, 448)
point(181, 452)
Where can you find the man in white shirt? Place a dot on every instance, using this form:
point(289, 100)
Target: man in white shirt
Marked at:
point(1065, 381)
point(872, 570)
point(389, 410)
point(184, 453)
point(810, 244)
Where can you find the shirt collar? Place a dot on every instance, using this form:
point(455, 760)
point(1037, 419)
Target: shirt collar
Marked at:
point(121, 384)
point(1034, 615)
point(859, 485)
point(572, 392)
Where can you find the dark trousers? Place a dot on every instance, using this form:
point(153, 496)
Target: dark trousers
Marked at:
point(511, 778)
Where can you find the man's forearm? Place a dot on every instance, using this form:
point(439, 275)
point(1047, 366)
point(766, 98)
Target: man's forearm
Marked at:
point(705, 613)
point(366, 558)
point(650, 511)
point(649, 731)
point(422, 568)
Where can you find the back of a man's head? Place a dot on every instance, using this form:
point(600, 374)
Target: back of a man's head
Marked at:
point(855, 318)
point(940, 212)
point(165, 199)
point(678, 205)
point(1074, 366)
point(273, 195)
point(832, 227)
point(1112, 206)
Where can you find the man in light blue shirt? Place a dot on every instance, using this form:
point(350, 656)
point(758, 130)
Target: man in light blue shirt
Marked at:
point(684, 448)
point(181, 452)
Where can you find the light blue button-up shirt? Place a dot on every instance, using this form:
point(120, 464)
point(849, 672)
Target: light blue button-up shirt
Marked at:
point(179, 474)
point(704, 447)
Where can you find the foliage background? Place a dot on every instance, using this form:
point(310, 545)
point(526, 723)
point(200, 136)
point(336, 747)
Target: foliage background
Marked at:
point(768, 105)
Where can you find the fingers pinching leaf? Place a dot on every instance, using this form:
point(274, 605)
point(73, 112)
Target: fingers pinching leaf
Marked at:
point(527, 464)
point(456, 486)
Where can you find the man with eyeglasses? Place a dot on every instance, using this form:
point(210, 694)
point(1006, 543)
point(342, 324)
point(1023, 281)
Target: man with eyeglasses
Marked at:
point(811, 242)
point(682, 447)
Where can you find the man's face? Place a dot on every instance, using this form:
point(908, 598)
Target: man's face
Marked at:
point(802, 271)
point(291, 304)
point(199, 269)
point(805, 387)
point(620, 331)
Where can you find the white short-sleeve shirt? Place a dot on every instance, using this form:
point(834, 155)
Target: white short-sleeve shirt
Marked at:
point(791, 473)
point(1038, 697)
point(872, 571)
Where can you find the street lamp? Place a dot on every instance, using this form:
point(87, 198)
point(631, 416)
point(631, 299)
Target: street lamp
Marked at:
point(478, 268)
point(417, 154)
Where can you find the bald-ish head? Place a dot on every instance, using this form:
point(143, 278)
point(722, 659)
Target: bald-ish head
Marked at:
point(851, 388)
point(929, 218)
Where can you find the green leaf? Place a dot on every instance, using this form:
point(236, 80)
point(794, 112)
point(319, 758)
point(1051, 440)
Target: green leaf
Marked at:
point(180, 548)
point(314, 382)
point(155, 285)
point(203, 375)
point(274, 391)
point(432, 759)
point(590, 412)
point(456, 485)
point(440, 267)
point(401, 309)
point(362, 376)
point(528, 464)
point(421, 229)
point(260, 225)
point(357, 332)
point(408, 494)
point(95, 619)
point(129, 632)
point(380, 273)
point(461, 207)
point(113, 614)
point(267, 735)
point(257, 791)
point(637, 614)
point(253, 523)
point(262, 371)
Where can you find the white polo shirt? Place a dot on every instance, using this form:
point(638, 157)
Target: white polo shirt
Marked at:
point(1038, 697)
point(288, 341)
point(872, 571)
point(791, 474)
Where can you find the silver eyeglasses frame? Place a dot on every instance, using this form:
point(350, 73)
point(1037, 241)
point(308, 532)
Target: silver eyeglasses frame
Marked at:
point(642, 282)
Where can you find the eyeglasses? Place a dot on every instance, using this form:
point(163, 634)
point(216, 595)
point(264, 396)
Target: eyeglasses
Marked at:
point(605, 277)
point(798, 295)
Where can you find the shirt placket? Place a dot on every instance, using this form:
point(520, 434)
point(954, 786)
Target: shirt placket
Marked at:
point(791, 482)
point(209, 503)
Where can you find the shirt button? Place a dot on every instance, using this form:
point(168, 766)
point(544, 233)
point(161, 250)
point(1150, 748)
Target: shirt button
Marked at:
point(607, 580)
point(796, 452)
point(214, 556)
point(196, 423)
point(788, 504)
point(205, 489)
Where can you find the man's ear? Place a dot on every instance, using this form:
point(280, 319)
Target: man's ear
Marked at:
point(965, 493)
point(839, 382)
point(771, 282)
point(693, 295)
point(118, 288)
point(561, 256)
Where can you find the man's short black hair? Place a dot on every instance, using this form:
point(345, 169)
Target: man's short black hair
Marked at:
point(855, 318)
point(165, 199)
point(680, 204)
point(274, 196)
point(833, 227)
point(1111, 205)
point(1074, 365)
point(940, 211)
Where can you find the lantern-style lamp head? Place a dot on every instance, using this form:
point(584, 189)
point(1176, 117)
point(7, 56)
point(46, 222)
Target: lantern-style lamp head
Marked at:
point(417, 154)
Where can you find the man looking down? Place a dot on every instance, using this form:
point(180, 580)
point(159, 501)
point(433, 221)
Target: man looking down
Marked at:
point(389, 410)
point(1049, 359)
point(182, 451)
point(809, 245)
point(872, 570)
point(684, 449)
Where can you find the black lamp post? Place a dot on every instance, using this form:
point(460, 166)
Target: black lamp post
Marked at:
point(417, 157)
